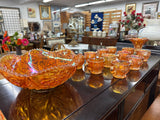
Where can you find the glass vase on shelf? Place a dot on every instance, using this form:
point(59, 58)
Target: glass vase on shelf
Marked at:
point(133, 33)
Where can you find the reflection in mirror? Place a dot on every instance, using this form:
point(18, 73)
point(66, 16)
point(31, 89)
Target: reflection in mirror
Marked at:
point(133, 75)
point(78, 76)
point(107, 74)
point(55, 104)
point(95, 81)
point(119, 87)
point(144, 66)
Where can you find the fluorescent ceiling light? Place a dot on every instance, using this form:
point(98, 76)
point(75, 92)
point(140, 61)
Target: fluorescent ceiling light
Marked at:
point(65, 9)
point(97, 2)
point(45, 1)
point(82, 5)
point(93, 3)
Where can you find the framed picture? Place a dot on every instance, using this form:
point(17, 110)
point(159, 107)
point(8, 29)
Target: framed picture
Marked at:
point(149, 9)
point(158, 15)
point(130, 8)
point(45, 12)
point(1, 17)
point(31, 13)
point(47, 26)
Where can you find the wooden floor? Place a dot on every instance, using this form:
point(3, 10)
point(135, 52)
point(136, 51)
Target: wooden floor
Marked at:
point(153, 113)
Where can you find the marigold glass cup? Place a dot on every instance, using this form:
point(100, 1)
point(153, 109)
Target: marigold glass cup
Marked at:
point(81, 61)
point(100, 52)
point(129, 49)
point(144, 53)
point(95, 65)
point(108, 58)
point(138, 42)
point(90, 54)
point(123, 55)
point(135, 62)
point(119, 68)
point(112, 49)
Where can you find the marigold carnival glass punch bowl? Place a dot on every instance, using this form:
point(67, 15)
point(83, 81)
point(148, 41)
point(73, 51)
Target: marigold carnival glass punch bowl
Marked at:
point(38, 68)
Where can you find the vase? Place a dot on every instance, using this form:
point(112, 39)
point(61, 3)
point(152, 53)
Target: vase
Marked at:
point(18, 50)
point(138, 42)
point(133, 33)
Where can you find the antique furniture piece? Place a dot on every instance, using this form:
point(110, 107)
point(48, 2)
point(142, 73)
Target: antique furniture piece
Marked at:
point(107, 41)
point(93, 97)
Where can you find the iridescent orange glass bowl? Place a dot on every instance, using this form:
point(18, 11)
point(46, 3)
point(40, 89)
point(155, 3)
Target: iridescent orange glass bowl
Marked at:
point(95, 65)
point(89, 54)
point(81, 61)
point(119, 69)
point(38, 68)
point(129, 49)
point(135, 62)
point(108, 58)
point(111, 49)
point(100, 52)
point(138, 42)
point(123, 55)
point(144, 53)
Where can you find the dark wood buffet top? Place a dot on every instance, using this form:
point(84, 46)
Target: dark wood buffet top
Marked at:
point(106, 41)
point(82, 97)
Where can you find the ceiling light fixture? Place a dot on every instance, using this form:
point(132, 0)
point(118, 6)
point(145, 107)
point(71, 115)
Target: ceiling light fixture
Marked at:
point(82, 5)
point(97, 2)
point(45, 1)
point(93, 3)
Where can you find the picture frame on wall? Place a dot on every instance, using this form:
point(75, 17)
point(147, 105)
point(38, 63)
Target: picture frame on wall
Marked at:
point(130, 7)
point(1, 17)
point(45, 12)
point(158, 15)
point(149, 9)
point(31, 12)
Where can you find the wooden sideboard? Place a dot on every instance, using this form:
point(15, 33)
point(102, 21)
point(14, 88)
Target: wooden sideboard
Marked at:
point(107, 41)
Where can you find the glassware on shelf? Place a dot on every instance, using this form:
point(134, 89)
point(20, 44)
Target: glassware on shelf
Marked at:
point(100, 52)
point(89, 54)
point(95, 65)
point(135, 62)
point(133, 33)
point(123, 55)
point(129, 49)
point(144, 53)
point(138, 42)
point(119, 69)
point(39, 68)
point(81, 61)
point(111, 49)
point(108, 58)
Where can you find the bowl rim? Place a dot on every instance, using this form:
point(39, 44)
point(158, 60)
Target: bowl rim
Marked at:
point(73, 64)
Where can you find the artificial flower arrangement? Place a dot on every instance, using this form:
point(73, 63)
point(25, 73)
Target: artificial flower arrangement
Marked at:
point(13, 41)
point(133, 21)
